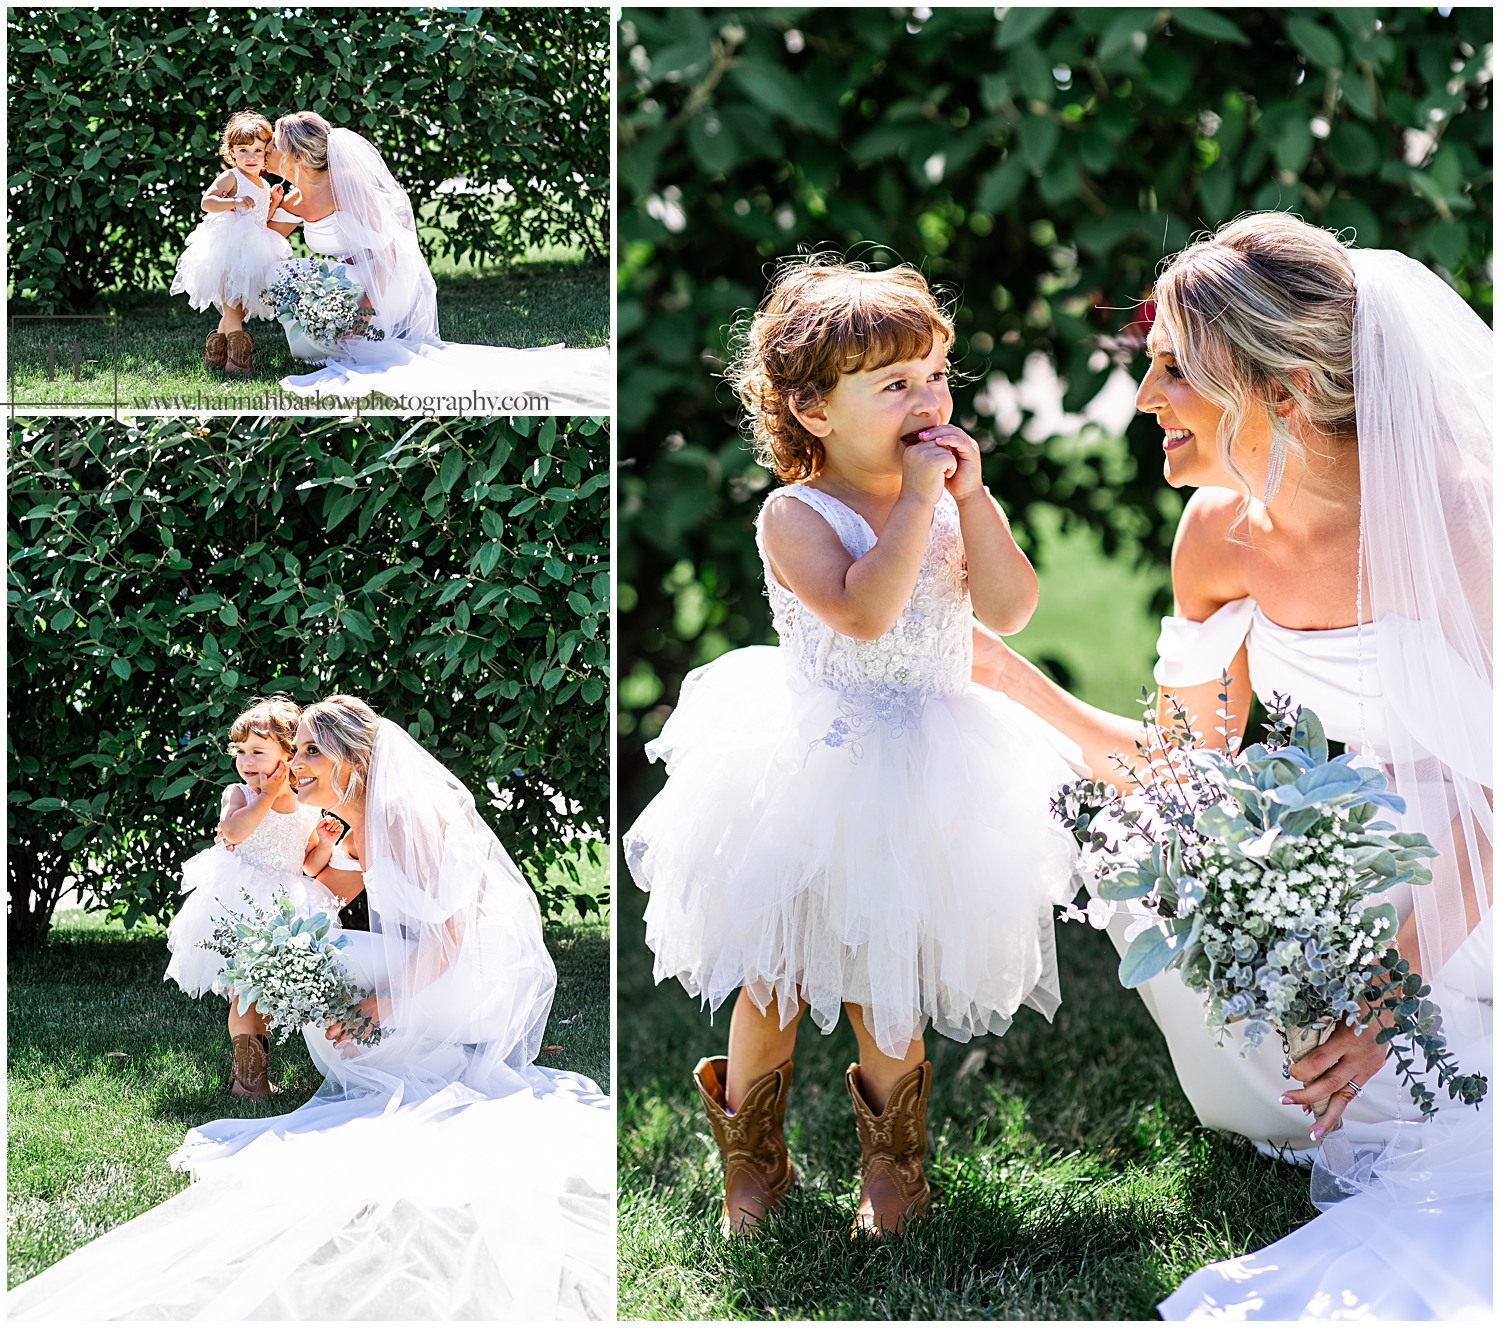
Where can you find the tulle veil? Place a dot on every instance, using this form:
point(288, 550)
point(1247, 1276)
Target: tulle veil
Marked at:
point(377, 220)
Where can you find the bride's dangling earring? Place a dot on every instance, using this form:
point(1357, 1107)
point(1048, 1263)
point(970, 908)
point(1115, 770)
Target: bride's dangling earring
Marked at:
point(1281, 441)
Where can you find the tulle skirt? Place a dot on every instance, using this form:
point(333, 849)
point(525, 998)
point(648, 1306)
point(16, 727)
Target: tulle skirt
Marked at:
point(228, 261)
point(911, 871)
point(217, 882)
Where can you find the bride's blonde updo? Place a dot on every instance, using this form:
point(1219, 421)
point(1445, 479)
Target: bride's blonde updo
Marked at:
point(1260, 312)
point(303, 136)
point(345, 728)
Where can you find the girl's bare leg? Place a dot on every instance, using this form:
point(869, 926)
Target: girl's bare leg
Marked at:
point(251, 1022)
point(757, 1045)
point(879, 1073)
point(233, 320)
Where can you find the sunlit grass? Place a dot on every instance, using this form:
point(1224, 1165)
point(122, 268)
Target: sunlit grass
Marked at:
point(554, 296)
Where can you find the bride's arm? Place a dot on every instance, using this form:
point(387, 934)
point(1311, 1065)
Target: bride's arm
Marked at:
point(1102, 736)
point(427, 965)
point(1204, 578)
point(287, 202)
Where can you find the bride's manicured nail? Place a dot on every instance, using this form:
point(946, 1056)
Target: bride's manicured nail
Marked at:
point(1287, 1101)
point(1316, 1132)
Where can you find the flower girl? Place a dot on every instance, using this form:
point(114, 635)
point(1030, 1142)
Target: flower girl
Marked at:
point(229, 255)
point(264, 835)
point(848, 820)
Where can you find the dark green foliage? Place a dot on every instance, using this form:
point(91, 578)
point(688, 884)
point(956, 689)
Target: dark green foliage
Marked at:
point(1400, 1010)
point(115, 117)
point(1041, 166)
point(164, 572)
point(1072, 1178)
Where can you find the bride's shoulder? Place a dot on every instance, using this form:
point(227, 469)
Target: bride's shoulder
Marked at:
point(1205, 553)
point(1207, 516)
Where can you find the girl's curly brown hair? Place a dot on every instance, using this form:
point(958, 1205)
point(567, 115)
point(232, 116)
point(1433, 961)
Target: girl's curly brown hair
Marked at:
point(274, 717)
point(824, 317)
point(243, 127)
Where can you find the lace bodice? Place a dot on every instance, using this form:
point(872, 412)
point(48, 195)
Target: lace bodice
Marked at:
point(278, 844)
point(247, 186)
point(929, 651)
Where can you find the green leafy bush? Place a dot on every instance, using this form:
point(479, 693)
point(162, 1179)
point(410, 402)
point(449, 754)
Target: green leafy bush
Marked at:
point(162, 573)
point(1041, 164)
point(115, 116)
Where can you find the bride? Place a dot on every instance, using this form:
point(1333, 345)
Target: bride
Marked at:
point(436, 1175)
point(1332, 410)
point(352, 210)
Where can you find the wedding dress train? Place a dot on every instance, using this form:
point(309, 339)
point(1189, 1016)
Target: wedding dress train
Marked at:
point(437, 1175)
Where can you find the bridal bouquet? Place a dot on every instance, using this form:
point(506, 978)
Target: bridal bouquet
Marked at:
point(286, 966)
point(317, 300)
point(1251, 874)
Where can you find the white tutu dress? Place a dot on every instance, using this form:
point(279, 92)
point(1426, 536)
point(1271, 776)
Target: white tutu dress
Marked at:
point(266, 864)
point(857, 821)
point(229, 256)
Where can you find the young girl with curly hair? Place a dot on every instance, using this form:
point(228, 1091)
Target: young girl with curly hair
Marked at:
point(264, 834)
point(848, 821)
point(229, 255)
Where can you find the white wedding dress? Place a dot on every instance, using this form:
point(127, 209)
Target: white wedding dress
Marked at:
point(1413, 691)
point(437, 1175)
point(373, 232)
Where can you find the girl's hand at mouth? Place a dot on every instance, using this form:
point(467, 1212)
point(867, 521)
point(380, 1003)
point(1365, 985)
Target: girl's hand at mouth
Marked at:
point(965, 479)
point(925, 470)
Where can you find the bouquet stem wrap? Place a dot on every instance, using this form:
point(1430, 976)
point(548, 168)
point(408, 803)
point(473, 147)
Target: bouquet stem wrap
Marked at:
point(1302, 1042)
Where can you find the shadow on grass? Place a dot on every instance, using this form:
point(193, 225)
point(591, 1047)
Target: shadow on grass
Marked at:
point(1072, 1179)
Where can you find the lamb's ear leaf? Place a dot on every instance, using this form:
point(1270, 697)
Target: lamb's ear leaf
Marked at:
point(1147, 955)
point(1308, 734)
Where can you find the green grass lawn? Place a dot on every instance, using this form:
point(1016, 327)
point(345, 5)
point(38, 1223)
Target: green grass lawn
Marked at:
point(552, 298)
point(1072, 1180)
point(109, 1068)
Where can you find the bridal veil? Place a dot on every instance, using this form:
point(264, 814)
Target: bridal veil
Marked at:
point(437, 1175)
point(377, 220)
point(1424, 392)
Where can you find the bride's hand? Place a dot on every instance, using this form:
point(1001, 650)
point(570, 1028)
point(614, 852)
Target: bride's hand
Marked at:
point(338, 1033)
point(1348, 1057)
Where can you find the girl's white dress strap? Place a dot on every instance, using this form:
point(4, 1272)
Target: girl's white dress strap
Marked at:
point(852, 529)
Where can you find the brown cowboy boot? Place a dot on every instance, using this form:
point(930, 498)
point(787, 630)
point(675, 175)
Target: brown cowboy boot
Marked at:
point(892, 1188)
point(240, 353)
point(757, 1170)
point(214, 350)
point(248, 1076)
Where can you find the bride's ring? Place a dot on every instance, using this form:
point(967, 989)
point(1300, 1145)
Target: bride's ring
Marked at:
point(1358, 1088)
